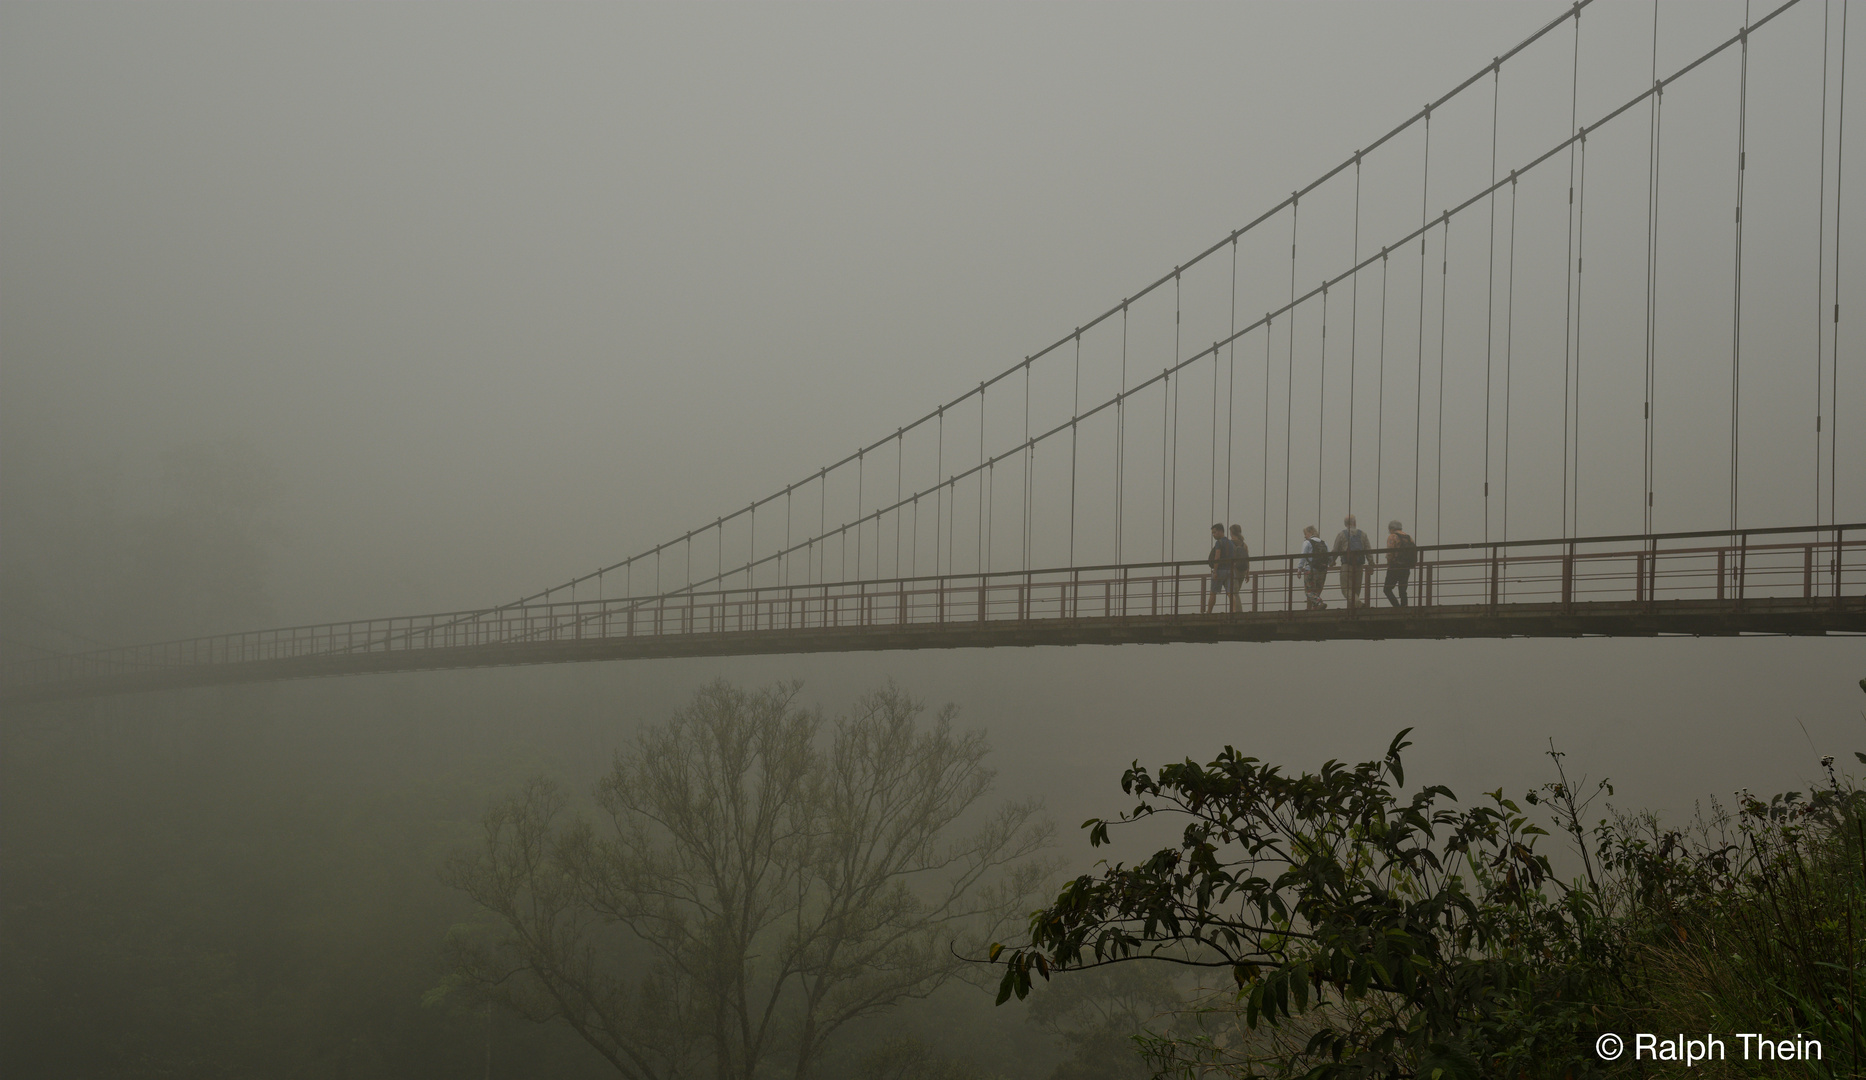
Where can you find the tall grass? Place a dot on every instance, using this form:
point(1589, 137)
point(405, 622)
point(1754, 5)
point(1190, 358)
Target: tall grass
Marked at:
point(1750, 920)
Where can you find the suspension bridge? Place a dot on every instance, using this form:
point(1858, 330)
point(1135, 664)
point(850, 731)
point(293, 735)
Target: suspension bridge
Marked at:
point(1598, 282)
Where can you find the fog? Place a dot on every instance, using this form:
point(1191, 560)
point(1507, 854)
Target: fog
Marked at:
point(327, 312)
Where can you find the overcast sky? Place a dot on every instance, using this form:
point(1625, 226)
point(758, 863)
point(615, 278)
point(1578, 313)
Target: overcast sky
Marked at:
point(505, 293)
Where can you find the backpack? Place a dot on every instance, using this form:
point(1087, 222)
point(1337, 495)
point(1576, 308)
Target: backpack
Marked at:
point(1317, 550)
point(1405, 556)
point(1357, 543)
point(1240, 562)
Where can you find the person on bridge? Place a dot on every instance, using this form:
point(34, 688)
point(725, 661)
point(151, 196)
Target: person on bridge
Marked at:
point(1314, 565)
point(1220, 560)
point(1402, 556)
point(1352, 548)
point(1240, 564)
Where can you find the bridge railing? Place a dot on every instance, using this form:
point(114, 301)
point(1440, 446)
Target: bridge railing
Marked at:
point(1560, 572)
point(1752, 565)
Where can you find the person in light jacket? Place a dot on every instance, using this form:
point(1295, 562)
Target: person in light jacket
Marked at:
point(1314, 566)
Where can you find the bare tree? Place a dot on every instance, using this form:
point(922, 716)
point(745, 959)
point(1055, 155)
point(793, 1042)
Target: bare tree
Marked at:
point(755, 879)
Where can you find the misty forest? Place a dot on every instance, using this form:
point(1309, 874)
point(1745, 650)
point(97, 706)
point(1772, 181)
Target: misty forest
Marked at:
point(798, 428)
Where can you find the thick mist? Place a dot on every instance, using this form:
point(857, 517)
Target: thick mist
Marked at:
point(327, 312)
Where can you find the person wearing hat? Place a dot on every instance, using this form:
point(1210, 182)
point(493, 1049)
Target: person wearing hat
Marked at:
point(1402, 556)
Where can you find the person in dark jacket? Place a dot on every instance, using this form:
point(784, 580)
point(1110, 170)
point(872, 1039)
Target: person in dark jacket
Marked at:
point(1352, 550)
point(1402, 556)
point(1240, 564)
point(1220, 561)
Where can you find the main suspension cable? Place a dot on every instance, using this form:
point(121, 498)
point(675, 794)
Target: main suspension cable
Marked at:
point(1417, 234)
point(934, 415)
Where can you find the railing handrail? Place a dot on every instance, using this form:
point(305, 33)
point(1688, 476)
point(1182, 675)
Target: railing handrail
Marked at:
point(380, 628)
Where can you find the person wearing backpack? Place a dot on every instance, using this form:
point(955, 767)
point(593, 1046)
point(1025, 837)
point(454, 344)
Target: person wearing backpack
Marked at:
point(1220, 561)
point(1240, 565)
point(1314, 566)
point(1352, 549)
point(1402, 556)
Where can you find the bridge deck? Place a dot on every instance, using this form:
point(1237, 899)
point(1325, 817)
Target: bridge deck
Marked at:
point(1760, 582)
point(1701, 618)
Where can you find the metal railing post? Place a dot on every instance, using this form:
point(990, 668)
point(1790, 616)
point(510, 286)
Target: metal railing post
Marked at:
point(1839, 554)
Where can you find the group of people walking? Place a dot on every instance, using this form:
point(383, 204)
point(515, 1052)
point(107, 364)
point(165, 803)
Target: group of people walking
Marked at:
point(1230, 563)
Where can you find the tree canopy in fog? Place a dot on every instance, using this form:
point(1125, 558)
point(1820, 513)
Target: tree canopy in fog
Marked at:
point(752, 880)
